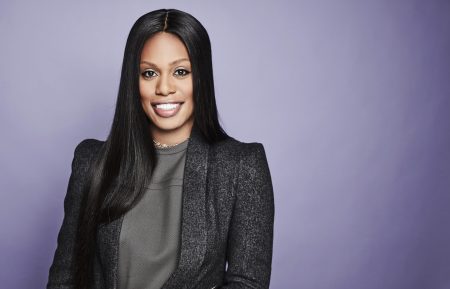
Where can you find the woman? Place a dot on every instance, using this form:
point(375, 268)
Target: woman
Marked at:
point(169, 200)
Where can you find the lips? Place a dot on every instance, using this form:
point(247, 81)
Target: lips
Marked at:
point(166, 109)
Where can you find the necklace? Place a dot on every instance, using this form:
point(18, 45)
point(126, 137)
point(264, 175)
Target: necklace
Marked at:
point(165, 146)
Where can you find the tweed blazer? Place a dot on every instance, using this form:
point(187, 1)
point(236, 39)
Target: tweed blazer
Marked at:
point(226, 227)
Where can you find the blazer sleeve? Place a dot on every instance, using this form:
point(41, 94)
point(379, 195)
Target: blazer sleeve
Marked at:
point(250, 240)
point(61, 272)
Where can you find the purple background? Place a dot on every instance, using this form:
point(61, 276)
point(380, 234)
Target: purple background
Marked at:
point(351, 100)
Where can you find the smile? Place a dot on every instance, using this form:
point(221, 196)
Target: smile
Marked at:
point(167, 109)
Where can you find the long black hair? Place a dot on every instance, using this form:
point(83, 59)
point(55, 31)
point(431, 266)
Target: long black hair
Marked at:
point(119, 174)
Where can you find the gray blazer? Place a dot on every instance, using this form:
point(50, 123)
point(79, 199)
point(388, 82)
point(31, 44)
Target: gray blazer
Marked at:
point(227, 220)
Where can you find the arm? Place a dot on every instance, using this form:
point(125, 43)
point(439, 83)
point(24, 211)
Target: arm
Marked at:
point(250, 240)
point(61, 272)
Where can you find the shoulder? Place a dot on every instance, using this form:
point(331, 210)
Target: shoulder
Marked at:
point(88, 146)
point(85, 151)
point(239, 151)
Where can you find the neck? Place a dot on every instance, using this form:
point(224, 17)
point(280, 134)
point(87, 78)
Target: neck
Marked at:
point(171, 137)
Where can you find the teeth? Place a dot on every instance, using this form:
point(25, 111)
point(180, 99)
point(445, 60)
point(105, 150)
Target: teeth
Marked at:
point(167, 106)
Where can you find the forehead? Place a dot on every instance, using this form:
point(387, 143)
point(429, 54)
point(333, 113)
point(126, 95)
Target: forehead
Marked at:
point(163, 48)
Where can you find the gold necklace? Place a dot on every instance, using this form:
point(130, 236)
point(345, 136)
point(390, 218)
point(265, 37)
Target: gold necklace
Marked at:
point(165, 146)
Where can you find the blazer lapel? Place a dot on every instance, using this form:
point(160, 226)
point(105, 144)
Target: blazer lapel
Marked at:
point(193, 223)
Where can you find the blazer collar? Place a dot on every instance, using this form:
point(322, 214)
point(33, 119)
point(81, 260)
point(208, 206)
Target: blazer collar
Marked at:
point(193, 224)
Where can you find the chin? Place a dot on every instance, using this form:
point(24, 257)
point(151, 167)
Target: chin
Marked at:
point(169, 125)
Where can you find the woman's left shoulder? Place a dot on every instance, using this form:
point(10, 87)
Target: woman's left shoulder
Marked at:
point(236, 149)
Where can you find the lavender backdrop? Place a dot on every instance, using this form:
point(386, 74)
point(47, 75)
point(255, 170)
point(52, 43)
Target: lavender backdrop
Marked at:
point(351, 100)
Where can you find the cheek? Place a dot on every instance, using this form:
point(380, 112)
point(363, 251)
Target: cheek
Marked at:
point(145, 90)
point(190, 95)
point(189, 106)
point(145, 98)
point(187, 90)
point(146, 107)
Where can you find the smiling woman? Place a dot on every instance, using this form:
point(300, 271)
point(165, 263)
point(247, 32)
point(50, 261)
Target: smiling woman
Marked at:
point(168, 200)
point(166, 88)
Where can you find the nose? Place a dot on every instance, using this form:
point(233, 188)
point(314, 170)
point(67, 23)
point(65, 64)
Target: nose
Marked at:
point(164, 86)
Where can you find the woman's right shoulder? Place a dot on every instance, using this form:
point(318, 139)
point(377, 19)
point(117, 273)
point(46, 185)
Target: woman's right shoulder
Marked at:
point(86, 150)
point(89, 145)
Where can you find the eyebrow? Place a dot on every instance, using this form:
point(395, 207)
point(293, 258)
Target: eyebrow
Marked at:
point(172, 63)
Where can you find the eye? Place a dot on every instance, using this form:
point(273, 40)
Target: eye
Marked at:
point(148, 74)
point(181, 72)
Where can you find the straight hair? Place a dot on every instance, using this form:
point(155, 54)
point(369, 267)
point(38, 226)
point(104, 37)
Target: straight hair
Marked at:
point(121, 170)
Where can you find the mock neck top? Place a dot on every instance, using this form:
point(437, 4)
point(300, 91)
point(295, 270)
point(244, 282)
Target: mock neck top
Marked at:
point(150, 237)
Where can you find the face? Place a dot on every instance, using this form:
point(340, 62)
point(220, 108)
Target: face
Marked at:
point(165, 85)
